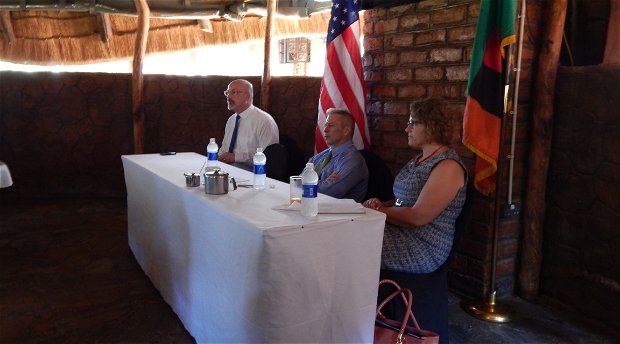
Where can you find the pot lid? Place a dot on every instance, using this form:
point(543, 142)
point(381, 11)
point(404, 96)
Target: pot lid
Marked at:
point(216, 171)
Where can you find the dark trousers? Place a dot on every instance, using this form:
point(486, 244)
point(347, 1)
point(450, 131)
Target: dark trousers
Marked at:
point(430, 299)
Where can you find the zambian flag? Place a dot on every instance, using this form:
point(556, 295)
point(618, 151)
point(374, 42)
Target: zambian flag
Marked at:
point(485, 88)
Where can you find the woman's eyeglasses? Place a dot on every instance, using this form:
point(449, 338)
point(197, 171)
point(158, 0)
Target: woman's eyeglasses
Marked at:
point(413, 123)
point(232, 93)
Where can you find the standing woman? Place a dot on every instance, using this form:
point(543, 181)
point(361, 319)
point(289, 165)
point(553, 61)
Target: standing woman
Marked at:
point(430, 193)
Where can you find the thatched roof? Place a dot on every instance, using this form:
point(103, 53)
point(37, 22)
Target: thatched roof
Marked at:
point(60, 36)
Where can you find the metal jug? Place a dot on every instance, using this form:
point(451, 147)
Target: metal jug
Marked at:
point(216, 182)
point(192, 179)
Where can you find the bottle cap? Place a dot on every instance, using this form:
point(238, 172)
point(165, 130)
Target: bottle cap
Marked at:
point(259, 150)
point(309, 164)
point(212, 140)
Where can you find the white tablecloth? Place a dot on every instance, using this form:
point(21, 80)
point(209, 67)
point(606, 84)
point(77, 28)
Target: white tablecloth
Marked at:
point(5, 176)
point(235, 270)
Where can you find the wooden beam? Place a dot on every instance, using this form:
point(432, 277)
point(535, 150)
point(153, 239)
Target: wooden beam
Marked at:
point(6, 26)
point(612, 47)
point(542, 130)
point(269, 32)
point(142, 34)
point(105, 29)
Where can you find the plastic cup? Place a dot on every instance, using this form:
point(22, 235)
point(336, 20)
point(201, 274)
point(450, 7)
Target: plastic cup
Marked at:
point(296, 189)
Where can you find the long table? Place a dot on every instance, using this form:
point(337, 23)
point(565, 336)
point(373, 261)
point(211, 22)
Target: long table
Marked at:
point(235, 270)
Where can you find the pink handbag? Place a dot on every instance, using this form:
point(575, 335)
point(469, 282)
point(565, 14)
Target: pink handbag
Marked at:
point(390, 331)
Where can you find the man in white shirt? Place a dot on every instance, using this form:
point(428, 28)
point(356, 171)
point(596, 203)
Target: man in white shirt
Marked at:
point(255, 127)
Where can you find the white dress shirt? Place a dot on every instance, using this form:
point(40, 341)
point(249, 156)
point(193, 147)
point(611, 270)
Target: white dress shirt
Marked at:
point(256, 129)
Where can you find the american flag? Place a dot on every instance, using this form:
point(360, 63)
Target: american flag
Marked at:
point(343, 83)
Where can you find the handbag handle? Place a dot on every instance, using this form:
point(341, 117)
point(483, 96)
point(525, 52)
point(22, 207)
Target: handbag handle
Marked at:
point(406, 294)
point(407, 298)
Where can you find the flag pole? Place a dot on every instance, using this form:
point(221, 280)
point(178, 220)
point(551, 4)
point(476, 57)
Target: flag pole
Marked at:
point(490, 309)
point(515, 100)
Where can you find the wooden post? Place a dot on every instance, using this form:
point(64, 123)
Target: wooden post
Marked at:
point(6, 26)
point(142, 34)
point(612, 47)
point(105, 29)
point(542, 125)
point(269, 32)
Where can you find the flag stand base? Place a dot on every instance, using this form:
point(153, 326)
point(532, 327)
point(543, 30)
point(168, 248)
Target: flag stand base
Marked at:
point(488, 310)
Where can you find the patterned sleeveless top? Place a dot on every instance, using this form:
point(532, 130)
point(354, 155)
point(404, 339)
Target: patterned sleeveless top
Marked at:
point(425, 248)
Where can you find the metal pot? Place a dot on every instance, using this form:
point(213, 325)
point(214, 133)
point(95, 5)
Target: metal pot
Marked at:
point(192, 179)
point(216, 182)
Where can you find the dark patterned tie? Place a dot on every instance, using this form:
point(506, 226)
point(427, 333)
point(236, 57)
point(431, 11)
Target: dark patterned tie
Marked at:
point(233, 140)
point(324, 162)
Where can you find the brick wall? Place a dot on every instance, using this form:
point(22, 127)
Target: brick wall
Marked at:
point(420, 50)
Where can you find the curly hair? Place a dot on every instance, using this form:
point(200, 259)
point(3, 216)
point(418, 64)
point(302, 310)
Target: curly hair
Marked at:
point(440, 125)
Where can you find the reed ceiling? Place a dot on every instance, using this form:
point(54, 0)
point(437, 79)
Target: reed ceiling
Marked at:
point(62, 32)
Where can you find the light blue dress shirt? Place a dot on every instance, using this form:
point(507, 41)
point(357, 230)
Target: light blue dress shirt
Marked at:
point(352, 179)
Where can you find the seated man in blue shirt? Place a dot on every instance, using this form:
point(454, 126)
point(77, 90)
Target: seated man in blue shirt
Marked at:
point(341, 168)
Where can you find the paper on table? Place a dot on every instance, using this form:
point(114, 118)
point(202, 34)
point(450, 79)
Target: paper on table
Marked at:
point(336, 206)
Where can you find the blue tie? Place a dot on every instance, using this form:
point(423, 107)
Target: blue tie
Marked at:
point(233, 140)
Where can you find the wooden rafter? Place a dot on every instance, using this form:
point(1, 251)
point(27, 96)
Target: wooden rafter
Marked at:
point(269, 32)
point(137, 77)
point(534, 205)
point(6, 26)
point(612, 48)
point(105, 28)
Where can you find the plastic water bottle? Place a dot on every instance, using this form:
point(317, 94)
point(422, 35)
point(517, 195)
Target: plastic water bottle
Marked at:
point(260, 169)
point(309, 201)
point(212, 149)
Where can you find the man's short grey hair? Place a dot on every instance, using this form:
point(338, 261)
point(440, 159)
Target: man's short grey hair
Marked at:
point(346, 114)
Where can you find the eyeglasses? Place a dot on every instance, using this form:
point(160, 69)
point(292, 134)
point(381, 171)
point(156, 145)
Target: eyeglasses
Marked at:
point(413, 123)
point(232, 93)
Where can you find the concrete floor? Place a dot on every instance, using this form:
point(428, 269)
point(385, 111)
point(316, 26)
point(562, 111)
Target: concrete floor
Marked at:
point(66, 275)
point(531, 323)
